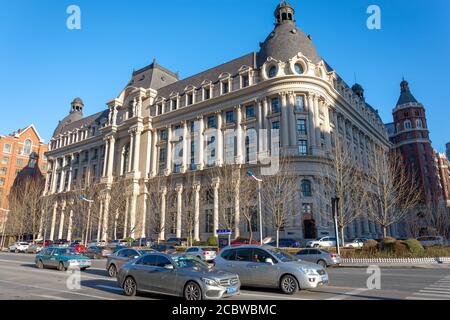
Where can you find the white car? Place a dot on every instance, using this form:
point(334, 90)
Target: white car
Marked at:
point(429, 241)
point(18, 247)
point(202, 253)
point(324, 242)
point(95, 243)
point(355, 243)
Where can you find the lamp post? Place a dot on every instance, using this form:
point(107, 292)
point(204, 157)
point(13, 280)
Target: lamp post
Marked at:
point(334, 208)
point(250, 174)
point(83, 198)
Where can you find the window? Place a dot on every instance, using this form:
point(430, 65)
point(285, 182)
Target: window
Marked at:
point(3, 171)
point(301, 126)
point(174, 104)
point(209, 221)
point(260, 256)
point(418, 123)
point(306, 188)
point(303, 147)
point(276, 125)
point(5, 160)
point(299, 103)
point(148, 260)
point(206, 93)
point(299, 68)
point(407, 124)
point(275, 104)
point(7, 148)
point(27, 147)
point(190, 98)
point(211, 122)
point(250, 112)
point(2, 181)
point(229, 116)
point(225, 87)
point(272, 72)
point(306, 208)
point(162, 155)
point(19, 162)
point(245, 81)
point(163, 135)
point(243, 254)
point(160, 109)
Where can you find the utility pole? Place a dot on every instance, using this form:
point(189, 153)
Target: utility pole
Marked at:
point(250, 174)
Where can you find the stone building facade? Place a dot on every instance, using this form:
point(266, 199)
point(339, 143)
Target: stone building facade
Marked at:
point(177, 130)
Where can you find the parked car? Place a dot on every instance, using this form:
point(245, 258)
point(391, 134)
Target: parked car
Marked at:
point(18, 247)
point(118, 242)
point(35, 247)
point(177, 275)
point(97, 252)
point(319, 256)
point(285, 243)
point(142, 242)
point(163, 248)
point(78, 247)
point(61, 243)
point(242, 241)
point(265, 266)
point(95, 242)
point(61, 258)
point(177, 242)
point(116, 260)
point(205, 254)
point(324, 242)
point(429, 241)
point(356, 243)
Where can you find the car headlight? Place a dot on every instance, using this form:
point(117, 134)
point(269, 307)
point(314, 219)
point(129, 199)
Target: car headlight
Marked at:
point(210, 282)
point(309, 271)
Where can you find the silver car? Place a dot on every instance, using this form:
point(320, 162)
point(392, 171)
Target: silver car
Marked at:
point(319, 256)
point(177, 275)
point(265, 266)
point(116, 260)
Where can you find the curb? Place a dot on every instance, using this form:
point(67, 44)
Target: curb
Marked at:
point(403, 262)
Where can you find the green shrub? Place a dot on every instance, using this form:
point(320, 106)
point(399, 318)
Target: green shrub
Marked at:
point(212, 241)
point(414, 246)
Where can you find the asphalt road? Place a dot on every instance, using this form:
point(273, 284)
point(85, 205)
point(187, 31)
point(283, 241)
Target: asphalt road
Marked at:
point(20, 279)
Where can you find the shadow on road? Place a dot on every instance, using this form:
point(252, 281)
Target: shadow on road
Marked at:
point(96, 272)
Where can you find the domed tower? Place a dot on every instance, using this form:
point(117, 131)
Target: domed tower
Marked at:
point(77, 105)
point(286, 40)
point(411, 138)
point(358, 90)
point(75, 114)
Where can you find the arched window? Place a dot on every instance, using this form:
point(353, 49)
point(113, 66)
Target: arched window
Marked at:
point(418, 123)
point(407, 124)
point(27, 147)
point(272, 72)
point(306, 188)
point(299, 68)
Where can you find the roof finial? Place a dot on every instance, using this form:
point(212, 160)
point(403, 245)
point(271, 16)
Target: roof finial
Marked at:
point(284, 13)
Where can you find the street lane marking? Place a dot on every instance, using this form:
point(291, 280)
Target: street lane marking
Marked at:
point(437, 288)
point(51, 297)
point(421, 298)
point(271, 296)
point(109, 287)
point(56, 290)
point(348, 294)
point(434, 295)
point(435, 291)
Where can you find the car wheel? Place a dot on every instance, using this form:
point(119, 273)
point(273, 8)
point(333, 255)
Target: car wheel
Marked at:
point(322, 263)
point(129, 287)
point(40, 264)
point(192, 291)
point(112, 271)
point(289, 284)
point(61, 267)
point(16, 251)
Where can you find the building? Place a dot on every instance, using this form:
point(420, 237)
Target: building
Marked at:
point(447, 152)
point(21, 155)
point(443, 169)
point(410, 136)
point(179, 129)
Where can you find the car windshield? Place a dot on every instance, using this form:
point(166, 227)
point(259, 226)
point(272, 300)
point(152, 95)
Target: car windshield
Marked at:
point(67, 252)
point(142, 252)
point(282, 256)
point(189, 262)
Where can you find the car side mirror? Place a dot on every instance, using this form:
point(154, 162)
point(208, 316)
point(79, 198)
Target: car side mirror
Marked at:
point(269, 260)
point(169, 267)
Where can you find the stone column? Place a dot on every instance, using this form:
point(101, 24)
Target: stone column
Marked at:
point(327, 128)
point(61, 220)
point(52, 226)
point(105, 161)
point(69, 226)
point(201, 143)
point(105, 218)
point(215, 186)
point(169, 150)
point(197, 212)
point(284, 121)
point(185, 146)
point(317, 121)
point(311, 122)
point(109, 171)
point(131, 151)
point(265, 123)
point(70, 172)
point(144, 215)
point(136, 150)
point(179, 190)
point(148, 157)
point(219, 145)
point(99, 221)
point(133, 205)
point(292, 121)
point(154, 169)
point(239, 142)
point(162, 229)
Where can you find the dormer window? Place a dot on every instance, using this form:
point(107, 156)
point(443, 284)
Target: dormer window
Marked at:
point(160, 109)
point(299, 68)
point(189, 98)
point(245, 80)
point(206, 93)
point(174, 104)
point(225, 87)
point(272, 72)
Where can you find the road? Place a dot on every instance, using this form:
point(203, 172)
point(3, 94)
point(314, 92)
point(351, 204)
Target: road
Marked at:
point(20, 279)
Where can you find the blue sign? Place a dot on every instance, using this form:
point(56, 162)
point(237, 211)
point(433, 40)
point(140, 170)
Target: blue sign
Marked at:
point(224, 231)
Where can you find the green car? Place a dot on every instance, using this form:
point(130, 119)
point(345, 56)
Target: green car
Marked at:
point(62, 259)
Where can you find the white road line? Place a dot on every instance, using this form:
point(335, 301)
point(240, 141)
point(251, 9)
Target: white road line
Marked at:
point(51, 297)
point(420, 298)
point(56, 290)
point(271, 296)
point(348, 294)
point(435, 291)
point(109, 287)
point(434, 295)
point(437, 288)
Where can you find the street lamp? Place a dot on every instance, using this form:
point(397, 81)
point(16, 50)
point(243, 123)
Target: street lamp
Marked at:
point(250, 174)
point(83, 198)
point(334, 208)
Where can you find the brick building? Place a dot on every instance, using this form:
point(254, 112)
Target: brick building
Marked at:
point(21, 154)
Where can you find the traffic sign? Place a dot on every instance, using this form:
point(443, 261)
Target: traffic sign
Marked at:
point(224, 231)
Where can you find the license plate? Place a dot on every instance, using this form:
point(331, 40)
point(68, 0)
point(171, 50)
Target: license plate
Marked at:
point(231, 290)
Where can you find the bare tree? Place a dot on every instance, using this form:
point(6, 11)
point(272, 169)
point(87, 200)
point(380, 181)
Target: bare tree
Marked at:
point(394, 191)
point(436, 216)
point(117, 194)
point(279, 192)
point(248, 202)
point(157, 201)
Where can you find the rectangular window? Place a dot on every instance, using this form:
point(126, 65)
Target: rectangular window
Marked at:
point(229, 116)
point(225, 87)
point(190, 98)
point(206, 93)
point(245, 81)
point(5, 160)
point(212, 122)
point(303, 147)
point(2, 181)
point(163, 135)
point(160, 109)
point(3, 171)
point(250, 112)
point(162, 155)
point(174, 104)
point(275, 104)
point(276, 125)
point(301, 126)
point(299, 103)
point(19, 162)
point(209, 221)
point(7, 148)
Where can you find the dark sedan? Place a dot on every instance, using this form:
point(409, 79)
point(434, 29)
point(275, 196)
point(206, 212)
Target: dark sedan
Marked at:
point(164, 248)
point(97, 252)
point(116, 260)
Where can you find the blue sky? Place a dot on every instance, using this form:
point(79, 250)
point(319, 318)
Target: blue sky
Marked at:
point(43, 65)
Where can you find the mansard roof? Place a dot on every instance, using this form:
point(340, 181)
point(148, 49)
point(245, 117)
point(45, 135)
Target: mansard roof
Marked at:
point(94, 119)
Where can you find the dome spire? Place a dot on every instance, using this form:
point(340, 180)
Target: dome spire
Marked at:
point(284, 13)
point(405, 94)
